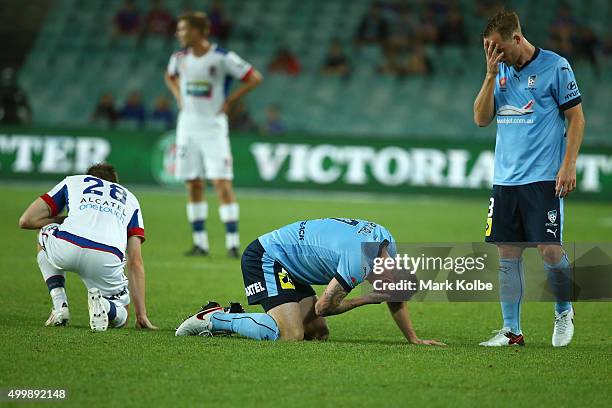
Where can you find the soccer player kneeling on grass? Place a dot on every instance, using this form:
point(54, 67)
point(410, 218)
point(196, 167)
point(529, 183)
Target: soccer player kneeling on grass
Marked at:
point(104, 219)
point(278, 269)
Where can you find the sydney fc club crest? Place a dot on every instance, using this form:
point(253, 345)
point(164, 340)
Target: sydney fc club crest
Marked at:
point(552, 218)
point(531, 81)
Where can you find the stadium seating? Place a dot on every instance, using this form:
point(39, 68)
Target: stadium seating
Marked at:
point(74, 60)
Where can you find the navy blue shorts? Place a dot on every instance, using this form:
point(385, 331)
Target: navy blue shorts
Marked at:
point(267, 282)
point(529, 213)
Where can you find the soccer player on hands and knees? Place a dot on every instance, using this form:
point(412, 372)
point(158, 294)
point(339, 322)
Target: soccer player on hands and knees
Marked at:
point(278, 269)
point(103, 225)
point(532, 92)
point(200, 76)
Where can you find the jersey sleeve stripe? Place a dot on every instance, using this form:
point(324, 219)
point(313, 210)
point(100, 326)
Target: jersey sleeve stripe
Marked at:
point(247, 75)
point(136, 232)
point(52, 205)
point(570, 104)
point(343, 283)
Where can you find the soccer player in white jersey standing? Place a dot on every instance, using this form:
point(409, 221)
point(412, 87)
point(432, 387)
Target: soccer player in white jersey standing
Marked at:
point(200, 76)
point(104, 224)
point(533, 92)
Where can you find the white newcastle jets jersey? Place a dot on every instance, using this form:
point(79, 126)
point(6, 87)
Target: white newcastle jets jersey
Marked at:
point(101, 215)
point(204, 81)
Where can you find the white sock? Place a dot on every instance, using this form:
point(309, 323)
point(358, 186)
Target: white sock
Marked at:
point(200, 239)
point(121, 313)
point(230, 213)
point(52, 275)
point(58, 297)
point(198, 213)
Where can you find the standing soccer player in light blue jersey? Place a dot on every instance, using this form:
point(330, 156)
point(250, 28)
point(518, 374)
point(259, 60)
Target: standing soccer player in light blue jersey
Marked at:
point(278, 269)
point(532, 92)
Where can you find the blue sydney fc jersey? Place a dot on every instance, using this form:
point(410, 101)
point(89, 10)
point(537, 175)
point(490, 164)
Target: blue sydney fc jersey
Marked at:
point(315, 251)
point(529, 103)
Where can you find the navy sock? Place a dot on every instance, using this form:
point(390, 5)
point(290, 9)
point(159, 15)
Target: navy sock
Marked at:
point(231, 226)
point(112, 311)
point(55, 281)
point(198, 225)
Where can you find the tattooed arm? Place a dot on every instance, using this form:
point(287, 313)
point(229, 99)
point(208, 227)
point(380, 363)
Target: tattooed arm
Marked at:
point(333, 301)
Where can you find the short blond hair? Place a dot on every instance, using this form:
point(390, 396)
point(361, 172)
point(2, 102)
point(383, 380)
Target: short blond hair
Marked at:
point(198, 20)
point(505, 22)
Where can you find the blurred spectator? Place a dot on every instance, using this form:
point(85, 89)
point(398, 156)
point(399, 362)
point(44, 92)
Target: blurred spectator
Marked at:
point(373, 28)
point(284, 62)
point(415, 63)
point(336, 62)
point(133, 110)
point(127, 19)
point(562, 30)
point(106, 110)
point(14, 106)
point(403, 30)
point(159, 20)
point(274, 124)
point(571, 39)
point(220, 24)
point(162, 112)
point(586, 46)
point(240, 118)
point(428, 27)
point(452, 31)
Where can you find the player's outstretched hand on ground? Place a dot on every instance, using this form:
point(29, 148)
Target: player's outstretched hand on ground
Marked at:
point(144, 323)
point(428, 342)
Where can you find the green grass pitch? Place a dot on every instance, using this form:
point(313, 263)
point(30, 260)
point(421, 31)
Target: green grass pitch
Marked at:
point(366, 362)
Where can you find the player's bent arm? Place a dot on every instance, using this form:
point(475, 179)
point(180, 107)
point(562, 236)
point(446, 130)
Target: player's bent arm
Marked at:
point(37, 215)
point(253, 80)
point(484, 105)
point(173, 86)
point(333, 301)
point(399, 312)
point(136, 281)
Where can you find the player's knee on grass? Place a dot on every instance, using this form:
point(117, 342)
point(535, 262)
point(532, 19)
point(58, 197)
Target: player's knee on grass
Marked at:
point(551, 254)
point(316, 330)
point(289, 321)
point(315, 327)
point(292, 333)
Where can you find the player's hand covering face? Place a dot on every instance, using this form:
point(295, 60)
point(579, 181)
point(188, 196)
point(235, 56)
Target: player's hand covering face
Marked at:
point(493, 55)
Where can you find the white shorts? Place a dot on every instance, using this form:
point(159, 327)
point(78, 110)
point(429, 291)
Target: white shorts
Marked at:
point(97, 269)
point(203, 150)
